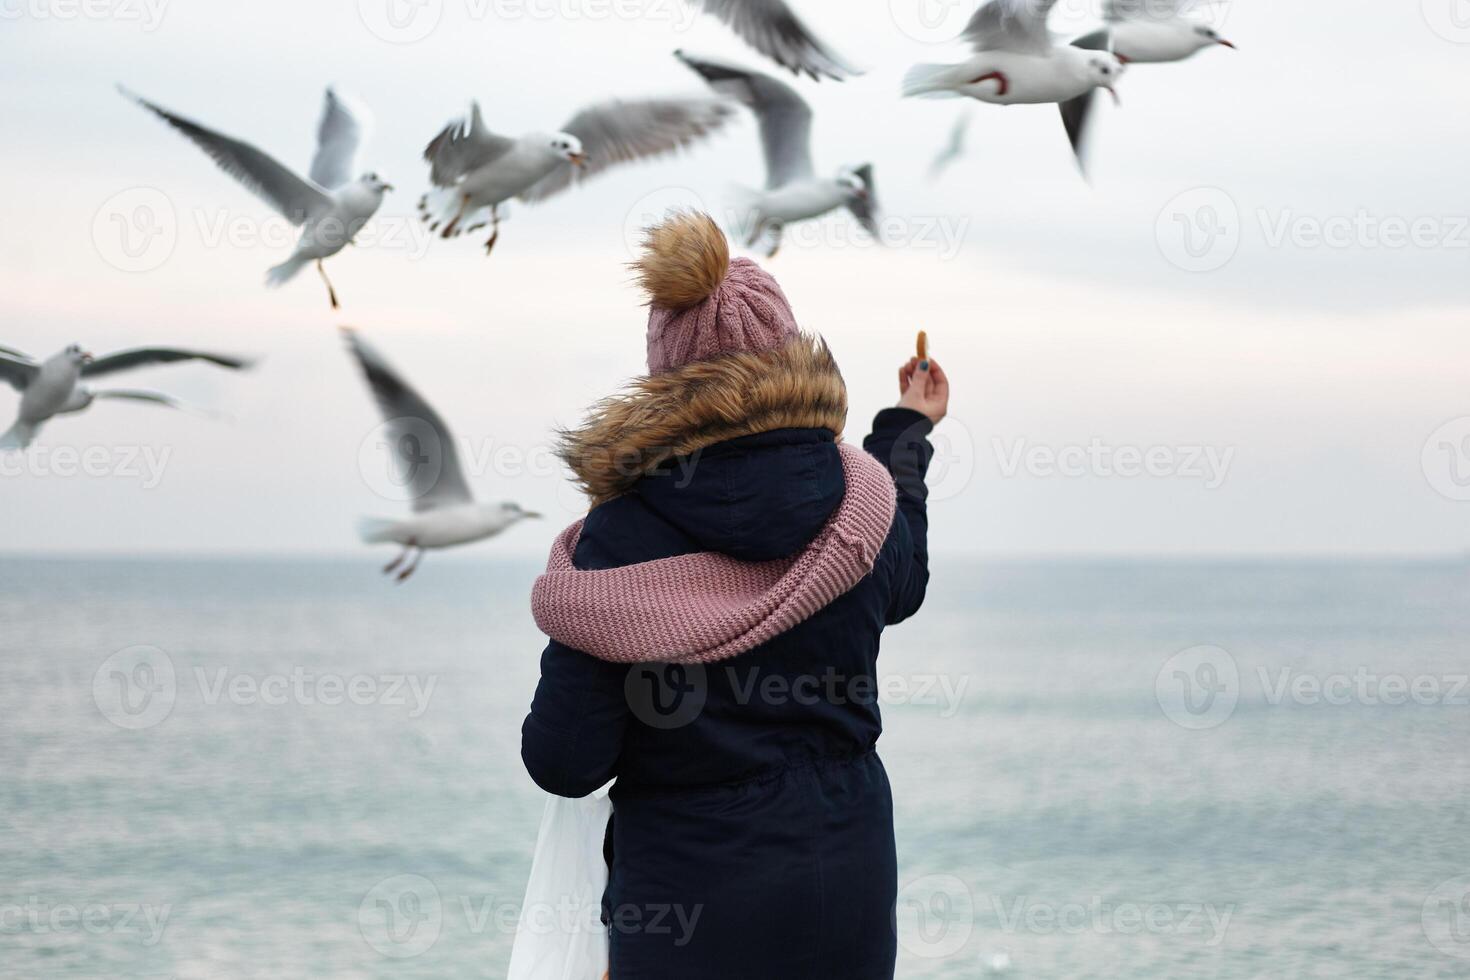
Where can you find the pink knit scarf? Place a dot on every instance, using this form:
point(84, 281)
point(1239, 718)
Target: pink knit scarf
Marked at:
point(704, 607)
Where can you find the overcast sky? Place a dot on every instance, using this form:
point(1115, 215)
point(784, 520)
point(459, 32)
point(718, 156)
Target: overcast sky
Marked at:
point(1258, 307)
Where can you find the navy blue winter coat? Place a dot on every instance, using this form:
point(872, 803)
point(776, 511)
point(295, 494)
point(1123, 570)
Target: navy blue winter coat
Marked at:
point(752, 833)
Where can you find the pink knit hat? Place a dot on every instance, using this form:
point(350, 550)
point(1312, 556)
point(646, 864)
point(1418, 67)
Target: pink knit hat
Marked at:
point(701, 304)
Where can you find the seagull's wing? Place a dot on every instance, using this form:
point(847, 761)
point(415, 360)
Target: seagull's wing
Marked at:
point(618, 132)
point(773, 29)
point(423, 447)
point(145, 356)
point(1144, 9)
point(141, 395)
point(954, 149)
point(464, 145)
point(1099, 40)
point(866, 208)
point(1076, 113)
point(785, 118)
point(16, 369)
point(339, 135)
point(1011, 25)
point(295, 197)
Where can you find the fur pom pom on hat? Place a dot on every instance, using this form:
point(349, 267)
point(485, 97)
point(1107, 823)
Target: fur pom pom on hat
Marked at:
point(701, 304)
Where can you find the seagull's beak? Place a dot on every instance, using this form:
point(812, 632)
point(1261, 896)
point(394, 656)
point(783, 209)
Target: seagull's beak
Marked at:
point(1228, 44)
point(87, 357)
point(389, 187)
point(1114, 93)
point(531, 513)
point(578, 159)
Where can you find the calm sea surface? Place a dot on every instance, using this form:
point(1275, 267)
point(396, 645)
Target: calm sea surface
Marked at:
point(292, 769)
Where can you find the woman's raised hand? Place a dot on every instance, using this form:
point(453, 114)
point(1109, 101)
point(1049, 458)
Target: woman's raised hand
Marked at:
point(924, 387)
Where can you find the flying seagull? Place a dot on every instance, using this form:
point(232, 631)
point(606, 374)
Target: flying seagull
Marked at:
point(54, 386)
point(328, 205)
point(773, 29)
point(424, 457)
point(1152, 31)
point(953, 149)
point(793, 191)
point(475, 171)
point(1143, 32)
point(1017, 60)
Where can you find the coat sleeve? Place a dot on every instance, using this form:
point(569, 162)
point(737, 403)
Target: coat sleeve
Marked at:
point(573, 737)
point(900, 442)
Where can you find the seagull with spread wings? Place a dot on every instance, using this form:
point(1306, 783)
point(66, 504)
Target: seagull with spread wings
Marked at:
point(772, 28)
point(475, 171)
point(54, 386)
point(329, 205)
point(1138, 32)
point(793, 191)
point(423, 455)
point(1017, 60)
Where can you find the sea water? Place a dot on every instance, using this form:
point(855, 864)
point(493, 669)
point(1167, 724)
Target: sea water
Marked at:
point(258, 768)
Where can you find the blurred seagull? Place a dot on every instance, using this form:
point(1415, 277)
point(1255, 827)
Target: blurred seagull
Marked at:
point(475, 170)
point(54, 386)
point(1137, 31)
point(1017, 60)
point(793, 191)
point(773, 29)
point(954, 149)
point(444, 511)
point(329, 206)
point(1152, 31)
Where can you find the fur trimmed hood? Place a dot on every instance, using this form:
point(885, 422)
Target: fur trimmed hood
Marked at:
point(682, 411)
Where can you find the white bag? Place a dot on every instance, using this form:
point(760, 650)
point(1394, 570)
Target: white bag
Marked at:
point(561, 935)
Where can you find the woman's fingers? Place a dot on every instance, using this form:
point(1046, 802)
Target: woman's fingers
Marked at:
point(906, 374)
point(937, 375)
